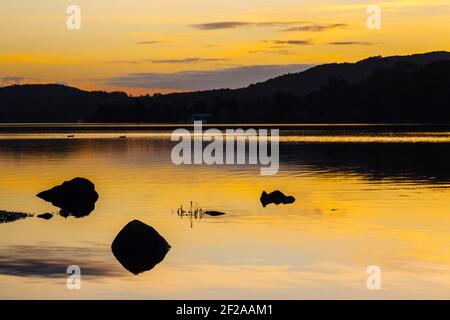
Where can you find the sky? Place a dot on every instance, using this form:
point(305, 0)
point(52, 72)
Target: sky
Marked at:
point(148, 46)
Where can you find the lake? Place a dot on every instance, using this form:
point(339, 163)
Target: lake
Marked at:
point(365, 195)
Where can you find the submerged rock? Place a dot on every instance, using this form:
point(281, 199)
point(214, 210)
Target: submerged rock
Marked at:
point(76, 197)
point(46, 216)
point(275, 197)
point(214, 213)
point(9, 216)
point(138, 247)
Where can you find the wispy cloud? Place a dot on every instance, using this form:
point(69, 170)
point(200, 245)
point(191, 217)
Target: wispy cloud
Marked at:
point(220, 25)
point(187, 60)
point(236, 77)
point(318, 27)
point(11, 80)
point(149, 42)
point(295, 42)
point(351, 43)
point(127, 61)
point(283, 52)
point(293, 25)
point(170, 61)
point(240, 24)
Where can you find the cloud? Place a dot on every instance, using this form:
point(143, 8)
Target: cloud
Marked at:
point(284, 52)
point(220, 25)
point(187, 60)
point(350, 43)
point(236, 77)
point(318, 27)
point(127, 61)
point(170, 61)
point(294, 42)
point(240, 24)
point(297, 25)
point(11, 80)
point(149, 42)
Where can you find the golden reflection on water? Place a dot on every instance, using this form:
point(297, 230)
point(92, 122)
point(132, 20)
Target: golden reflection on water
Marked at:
point(349, 214)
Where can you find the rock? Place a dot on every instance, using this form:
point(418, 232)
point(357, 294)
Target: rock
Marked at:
point(9, 216)
point(214, 213)
point(275, 197)
point(77, 197)
point(46, 216)
point(138, 247)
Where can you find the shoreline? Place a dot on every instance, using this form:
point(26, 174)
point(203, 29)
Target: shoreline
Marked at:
point(143, 127)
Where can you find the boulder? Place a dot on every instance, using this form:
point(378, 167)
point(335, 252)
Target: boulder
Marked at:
point(76, 197)
point(138, 247)
point(277, 197)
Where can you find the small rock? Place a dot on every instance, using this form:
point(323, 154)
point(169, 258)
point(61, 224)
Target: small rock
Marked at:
point(214, 213)
point(275, 197)
point(46, 216)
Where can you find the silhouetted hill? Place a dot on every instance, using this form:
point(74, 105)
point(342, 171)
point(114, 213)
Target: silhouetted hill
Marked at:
point(314, 78)
point(52, 102)
point(394, 89)
point(411, 88)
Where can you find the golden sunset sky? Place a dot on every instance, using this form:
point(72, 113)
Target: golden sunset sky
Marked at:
point(147, 46)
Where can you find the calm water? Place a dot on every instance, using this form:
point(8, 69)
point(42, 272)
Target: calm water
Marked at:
point(363, 198)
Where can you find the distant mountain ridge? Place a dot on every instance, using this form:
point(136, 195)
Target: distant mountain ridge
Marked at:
point(308, 96)
point(312, 79)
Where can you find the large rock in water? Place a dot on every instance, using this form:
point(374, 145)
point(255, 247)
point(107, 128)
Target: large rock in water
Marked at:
point(138, 247)
point(275, 197)
point(76, 197)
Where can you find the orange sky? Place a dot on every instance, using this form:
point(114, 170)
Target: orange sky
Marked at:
point(143, 46)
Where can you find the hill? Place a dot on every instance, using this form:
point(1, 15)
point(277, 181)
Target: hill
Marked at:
point(412, 88)
point(52, 103)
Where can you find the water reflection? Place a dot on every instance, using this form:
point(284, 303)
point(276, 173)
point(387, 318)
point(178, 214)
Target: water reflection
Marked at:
point(49, 260)
point(357, 204)
point(409, 161)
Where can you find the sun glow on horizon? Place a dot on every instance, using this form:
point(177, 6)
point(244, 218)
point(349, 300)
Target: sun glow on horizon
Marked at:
point(166, 39)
